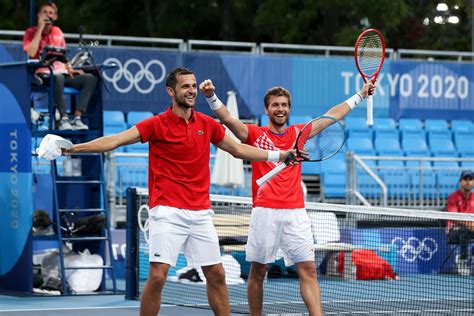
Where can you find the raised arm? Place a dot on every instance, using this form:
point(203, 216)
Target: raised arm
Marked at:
point(342, 109)
point(247, 152)
point(238, 128)
point(107, 143)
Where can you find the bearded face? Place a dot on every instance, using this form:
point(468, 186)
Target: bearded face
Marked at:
point(278, 110)
point(185, 92)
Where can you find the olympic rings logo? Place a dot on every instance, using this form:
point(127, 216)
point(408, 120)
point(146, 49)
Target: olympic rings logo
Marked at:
point(414, 248)
point(123, 74)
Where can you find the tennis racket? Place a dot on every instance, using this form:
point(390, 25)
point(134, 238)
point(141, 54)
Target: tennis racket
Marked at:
point(369, 57)
point(318, 140)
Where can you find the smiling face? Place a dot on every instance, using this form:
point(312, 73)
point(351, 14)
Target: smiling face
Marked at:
point(278, 110)
point(185, 91)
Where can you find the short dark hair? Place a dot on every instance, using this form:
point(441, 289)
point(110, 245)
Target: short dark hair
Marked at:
point(49, 4)
point(171, 78)
point(277, 92)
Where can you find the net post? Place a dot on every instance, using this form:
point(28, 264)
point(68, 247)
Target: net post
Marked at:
point(131, 264)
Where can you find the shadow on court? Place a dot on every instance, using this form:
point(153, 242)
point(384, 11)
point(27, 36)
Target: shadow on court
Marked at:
point(91, 305)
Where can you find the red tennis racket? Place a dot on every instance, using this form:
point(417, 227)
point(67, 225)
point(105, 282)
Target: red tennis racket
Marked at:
point(369, 57)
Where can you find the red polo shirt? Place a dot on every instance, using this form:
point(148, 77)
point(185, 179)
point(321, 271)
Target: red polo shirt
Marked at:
point(457, 203)
point(284, 190)
point(178, 166)
point(54, 38)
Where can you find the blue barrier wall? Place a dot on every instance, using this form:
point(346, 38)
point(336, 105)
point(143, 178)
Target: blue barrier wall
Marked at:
point(16, 180)
point(406, 89)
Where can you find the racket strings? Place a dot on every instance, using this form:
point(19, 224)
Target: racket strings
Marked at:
point(326, 138)
point(369, 53)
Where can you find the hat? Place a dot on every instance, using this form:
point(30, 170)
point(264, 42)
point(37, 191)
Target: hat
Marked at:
point(466, 174)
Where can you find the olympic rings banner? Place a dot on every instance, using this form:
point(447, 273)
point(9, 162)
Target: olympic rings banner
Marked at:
point(413, 250)
point(405, 89)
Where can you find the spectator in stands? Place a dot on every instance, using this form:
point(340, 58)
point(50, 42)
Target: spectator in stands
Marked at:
point(47, 34)
point(179, 179)
point(462, 232)
point(279, 219)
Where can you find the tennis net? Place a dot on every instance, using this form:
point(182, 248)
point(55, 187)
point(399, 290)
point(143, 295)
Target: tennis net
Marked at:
point(371, 260)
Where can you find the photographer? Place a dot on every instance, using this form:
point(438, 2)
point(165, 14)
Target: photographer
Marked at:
point(46, 34)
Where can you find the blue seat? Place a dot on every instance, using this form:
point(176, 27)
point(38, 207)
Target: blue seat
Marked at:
point(384, 124)
point(335, 163)
point(429, 183)
point(409, 124)
point(360, 145)
point(133, 117)
point(397, 181)
point(299, 119)
point(114, 119)
point(415, 164)
point(391, 133)
point(333, 176)
point(387, 140)
point(445, 164)
point(467, 164)
point(264, 120)
point(391, 163)
point(413, 133)
point(357, 126)
point(462, 126)
point(414, 141)
point(333, 184)
point(436, 125)
point(311, 168)
point(448, 182)
point(440, 143)
point(464, 142)
point(367, 185)
point(130, 172)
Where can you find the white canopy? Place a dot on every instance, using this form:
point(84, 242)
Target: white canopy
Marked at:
point(228, 171)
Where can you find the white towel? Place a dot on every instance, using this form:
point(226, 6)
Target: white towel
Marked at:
point(50, 147)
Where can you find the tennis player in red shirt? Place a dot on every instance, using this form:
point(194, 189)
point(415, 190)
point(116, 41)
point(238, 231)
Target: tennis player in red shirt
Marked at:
point(462, 232)
point(179, 178)
point(279, 219)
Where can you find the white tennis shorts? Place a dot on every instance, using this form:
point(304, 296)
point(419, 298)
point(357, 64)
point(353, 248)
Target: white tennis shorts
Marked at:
point(274, 229)
point(173, 229)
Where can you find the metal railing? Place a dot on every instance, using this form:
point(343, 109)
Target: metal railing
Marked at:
point(218, 46)
point(116, 41)
point(431, 55)
point(247, 47)
point(420, 182)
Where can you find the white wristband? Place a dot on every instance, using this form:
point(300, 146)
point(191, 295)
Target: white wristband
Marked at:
point(273, 155)
point(214, 102)
point(354, 100)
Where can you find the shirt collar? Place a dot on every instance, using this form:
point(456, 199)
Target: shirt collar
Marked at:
point(175, 118)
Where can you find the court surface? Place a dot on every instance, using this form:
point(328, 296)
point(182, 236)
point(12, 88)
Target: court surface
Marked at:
point(87, 305)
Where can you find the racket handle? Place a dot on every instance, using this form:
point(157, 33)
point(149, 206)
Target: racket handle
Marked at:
point(271, 174)
point(370, 111)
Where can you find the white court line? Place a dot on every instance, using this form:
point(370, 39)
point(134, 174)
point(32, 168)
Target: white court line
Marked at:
point(73, 308)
